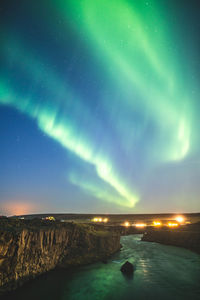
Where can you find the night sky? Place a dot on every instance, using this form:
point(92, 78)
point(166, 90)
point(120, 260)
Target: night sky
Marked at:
point(99, 106)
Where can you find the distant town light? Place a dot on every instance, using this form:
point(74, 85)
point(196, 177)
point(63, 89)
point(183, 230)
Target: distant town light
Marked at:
point(105, 220)
point(140, 225)
point(127, 224)
point(172, 224)
point(157, 223)
point(50, 218)
point(180, 219)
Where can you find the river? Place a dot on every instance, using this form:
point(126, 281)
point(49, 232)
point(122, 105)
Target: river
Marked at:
point(161, 272)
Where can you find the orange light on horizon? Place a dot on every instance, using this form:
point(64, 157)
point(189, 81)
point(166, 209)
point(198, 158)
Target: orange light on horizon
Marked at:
point(95, 220)
point(157, 223)
point(180, 219)
point(126, 224)
point(140, 225)
point(172, 224)
point(105, 220)
point(20, 207)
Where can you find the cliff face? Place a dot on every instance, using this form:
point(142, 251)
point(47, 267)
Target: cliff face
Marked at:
point(186, 239)
point(26, 253)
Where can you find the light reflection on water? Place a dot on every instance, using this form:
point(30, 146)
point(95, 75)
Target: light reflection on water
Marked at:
point(162, 272)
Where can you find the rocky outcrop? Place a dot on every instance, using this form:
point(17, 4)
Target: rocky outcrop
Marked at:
point(26, 252)
point(186, 239)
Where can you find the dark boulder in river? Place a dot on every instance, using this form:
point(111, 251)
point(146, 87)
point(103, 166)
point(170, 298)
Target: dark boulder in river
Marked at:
point(127, 269)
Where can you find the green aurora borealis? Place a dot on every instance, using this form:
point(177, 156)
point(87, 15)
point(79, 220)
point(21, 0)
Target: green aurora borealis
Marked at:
point(108, 81)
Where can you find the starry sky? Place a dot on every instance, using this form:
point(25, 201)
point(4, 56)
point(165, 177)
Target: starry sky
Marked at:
point(99, 106)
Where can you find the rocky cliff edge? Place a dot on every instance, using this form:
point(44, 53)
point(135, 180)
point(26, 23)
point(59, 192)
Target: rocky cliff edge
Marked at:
point(28, 249)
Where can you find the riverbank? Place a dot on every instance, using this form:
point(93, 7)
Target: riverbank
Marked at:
point(187, 237)
point(30, 248)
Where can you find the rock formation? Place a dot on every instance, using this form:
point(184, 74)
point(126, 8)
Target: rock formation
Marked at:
point(27, 251)
point(181, 238)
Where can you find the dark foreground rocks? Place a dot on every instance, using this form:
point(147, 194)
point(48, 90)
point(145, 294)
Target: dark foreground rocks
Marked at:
point(28, 250)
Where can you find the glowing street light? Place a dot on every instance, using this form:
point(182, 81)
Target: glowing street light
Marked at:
point(172, 224)
point(99, 220)
point(95, 220)
point(157, 223)
point(126, 224)
point(141, 225)
point(180, 219)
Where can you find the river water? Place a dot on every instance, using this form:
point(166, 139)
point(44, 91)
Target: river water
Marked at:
point(161, 272)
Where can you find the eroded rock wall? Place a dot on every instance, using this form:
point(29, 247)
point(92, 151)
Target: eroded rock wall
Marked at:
point(26, 253)
point(186, 239)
